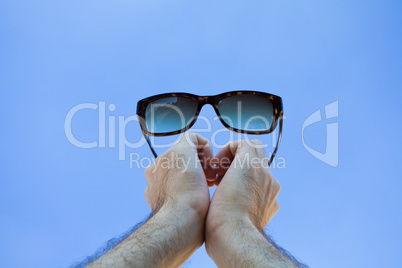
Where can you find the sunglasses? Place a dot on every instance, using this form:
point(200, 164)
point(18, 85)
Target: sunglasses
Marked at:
point(247, 112)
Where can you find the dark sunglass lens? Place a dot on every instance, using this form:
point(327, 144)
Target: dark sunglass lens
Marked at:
point(170, 114)
point(247, 112)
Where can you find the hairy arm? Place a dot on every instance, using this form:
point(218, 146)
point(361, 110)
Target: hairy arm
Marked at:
point(166, 240)
point(178, 195)
point(242, 205)
point(239, 243)
point(109, 245)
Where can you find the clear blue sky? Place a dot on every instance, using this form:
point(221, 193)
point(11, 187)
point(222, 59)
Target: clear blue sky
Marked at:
point(59, 203)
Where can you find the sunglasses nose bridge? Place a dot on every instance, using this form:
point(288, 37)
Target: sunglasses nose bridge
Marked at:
point(207, 100)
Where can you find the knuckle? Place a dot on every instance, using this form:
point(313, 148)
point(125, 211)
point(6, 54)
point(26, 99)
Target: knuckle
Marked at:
point(244, 146)
point(189, 133)
point(189, 139)
point(277, 186)
point(256, 142)
point(241, 143)
point(189, 136)
point(248, 143)
point(146, 192)
point(276, 207)
point(149, 170)
point(275, 183)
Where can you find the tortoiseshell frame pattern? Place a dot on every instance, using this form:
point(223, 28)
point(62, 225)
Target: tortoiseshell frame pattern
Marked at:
point(214, 101)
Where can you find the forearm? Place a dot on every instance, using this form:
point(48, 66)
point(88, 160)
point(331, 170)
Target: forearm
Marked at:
point(240, 244)
point(166, 240)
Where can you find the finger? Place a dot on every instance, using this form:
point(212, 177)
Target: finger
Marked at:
point(221, 164)
point(218, 179)
point(204, 152)
point(229, 149)
point(229, 152)
point(194, 140)
point(259, 149)
point(224, 157)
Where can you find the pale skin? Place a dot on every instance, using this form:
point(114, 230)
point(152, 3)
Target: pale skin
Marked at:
point(184, 217)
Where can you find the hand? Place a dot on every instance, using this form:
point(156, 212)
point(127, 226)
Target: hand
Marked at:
point(178, 179)
point(246, 189)
point(178, 195)
point(243, 203)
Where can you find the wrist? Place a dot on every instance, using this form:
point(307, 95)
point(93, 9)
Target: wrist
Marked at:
point(217, 220)
point(189, 220)
point(191, 205)
point(222, 240)
point(239, 243)
point(228, 223)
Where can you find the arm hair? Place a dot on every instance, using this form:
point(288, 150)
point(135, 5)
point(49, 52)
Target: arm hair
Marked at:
point(109, 245)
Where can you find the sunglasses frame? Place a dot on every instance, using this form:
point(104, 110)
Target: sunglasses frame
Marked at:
point(214, 101)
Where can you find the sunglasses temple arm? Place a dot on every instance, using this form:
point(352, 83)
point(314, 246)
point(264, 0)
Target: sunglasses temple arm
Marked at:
point(279, 140)
point(149, 144)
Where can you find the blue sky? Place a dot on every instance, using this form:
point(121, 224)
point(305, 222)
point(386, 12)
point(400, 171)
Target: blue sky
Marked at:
point(60, 203)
